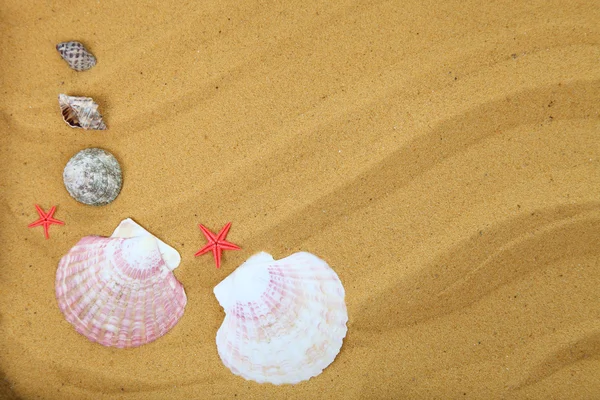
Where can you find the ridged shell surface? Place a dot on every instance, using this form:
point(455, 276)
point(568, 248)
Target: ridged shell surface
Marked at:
point(129, 228)
point(285, 320)
point(81, 112)
point(93, 177)
point(76, 55)
point(118, 291)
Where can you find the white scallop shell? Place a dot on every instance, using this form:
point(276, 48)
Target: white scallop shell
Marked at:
point(120, 291)
point(285, 320)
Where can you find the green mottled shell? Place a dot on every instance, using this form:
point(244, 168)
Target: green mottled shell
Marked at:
point(93, 177)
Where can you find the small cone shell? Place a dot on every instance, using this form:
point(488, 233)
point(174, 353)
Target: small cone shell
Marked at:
point(81, 112)
point(76, 55)
point(118, 291)
point(285, 320)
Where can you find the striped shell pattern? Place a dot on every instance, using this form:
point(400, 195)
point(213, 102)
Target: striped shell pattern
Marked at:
point(285, 320)
point(120, 291)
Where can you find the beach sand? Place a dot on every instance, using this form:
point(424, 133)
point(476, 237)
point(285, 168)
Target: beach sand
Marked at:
point(442, 157)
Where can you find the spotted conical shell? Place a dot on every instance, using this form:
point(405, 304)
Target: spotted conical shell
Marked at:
point(81, 112)
point(120, 291)
point(93, 177)
point(76, 55)
point(285, 320)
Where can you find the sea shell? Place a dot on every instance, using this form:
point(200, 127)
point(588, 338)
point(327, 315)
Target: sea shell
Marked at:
point(80, 112)
point(76, 55)
point(285, 320)
point(93, 176)
point(129, 228)
point(120, 291)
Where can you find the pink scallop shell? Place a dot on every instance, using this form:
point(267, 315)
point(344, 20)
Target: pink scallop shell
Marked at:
point(285, 320)
point(118, 291)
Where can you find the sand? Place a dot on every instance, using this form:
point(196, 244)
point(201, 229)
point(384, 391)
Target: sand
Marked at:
point(443, 157)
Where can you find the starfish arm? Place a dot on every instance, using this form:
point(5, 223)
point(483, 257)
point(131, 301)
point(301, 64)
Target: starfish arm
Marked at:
point(208, 234)
point(40, 211)
point(224, 244)
point(55, 221)
point(46, 231)
point(36, 223)
point(205, 249)
point(217, 254)
point(223, 234)
point(51, 212)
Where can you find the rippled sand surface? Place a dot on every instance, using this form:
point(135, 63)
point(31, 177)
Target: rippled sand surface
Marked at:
point(443, 157)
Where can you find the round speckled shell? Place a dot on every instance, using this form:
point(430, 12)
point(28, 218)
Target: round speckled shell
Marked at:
point(119, 292)
point(93, 177)
point(76, 55)
point(80, 112)
point(285, 320)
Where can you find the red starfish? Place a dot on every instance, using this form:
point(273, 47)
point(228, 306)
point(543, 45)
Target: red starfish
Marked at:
point(216, 243)
point(45, 219)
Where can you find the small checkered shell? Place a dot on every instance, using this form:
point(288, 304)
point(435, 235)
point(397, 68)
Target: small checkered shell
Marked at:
point(80, 112)
point(76, 55)
point(285, 320)
point(93, 177)
point(119, 292)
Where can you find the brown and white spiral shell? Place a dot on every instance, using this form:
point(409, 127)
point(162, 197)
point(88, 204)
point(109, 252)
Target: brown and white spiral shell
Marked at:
point(81, 112)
